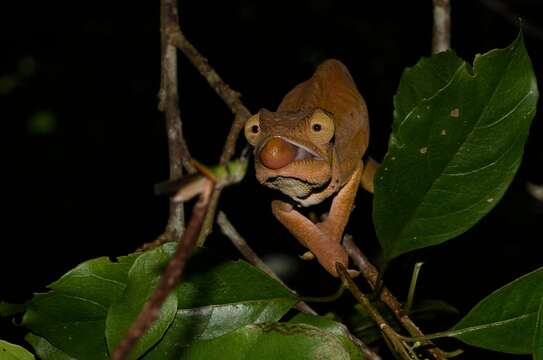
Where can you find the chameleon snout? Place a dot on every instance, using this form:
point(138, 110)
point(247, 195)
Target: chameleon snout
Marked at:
point(277, 153)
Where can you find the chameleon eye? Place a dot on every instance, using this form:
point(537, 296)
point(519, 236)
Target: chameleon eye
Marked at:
point(252, 129)
point(322, 127)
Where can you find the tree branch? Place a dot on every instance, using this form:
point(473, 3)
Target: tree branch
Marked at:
point(371, 274)
point(169, 103)
point(441, 34)
point(168, 281)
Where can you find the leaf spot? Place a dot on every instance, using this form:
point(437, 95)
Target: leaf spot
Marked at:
point(423, 150)
point(443, 132)
point(489, 200)
point(393, 158)
point(386, 169)
point(455, 112)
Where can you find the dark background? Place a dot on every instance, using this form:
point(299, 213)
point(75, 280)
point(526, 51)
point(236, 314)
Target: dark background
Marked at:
point(83, 142)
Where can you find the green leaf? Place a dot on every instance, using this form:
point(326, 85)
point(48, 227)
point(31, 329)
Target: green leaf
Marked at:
point(217, 297)
point(538, 334)
point(271, 341)
point(71, 316)
point(423, 81)
point(45, 350)
point(332, 327)
point(505, 320)
point(142, 280)
point(457, 142)
point(10, 351)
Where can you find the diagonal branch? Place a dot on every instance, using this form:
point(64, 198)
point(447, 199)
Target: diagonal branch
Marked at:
point(169, 103)
point(371, 274)
point(168, 281)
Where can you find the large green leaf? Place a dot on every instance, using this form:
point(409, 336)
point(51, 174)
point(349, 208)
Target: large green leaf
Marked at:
point(216, 297)
point(332, 327)
point(538, 333)
point(142, 280)
point(71, 316)
point(505, 320)
point(457, 141)
point(271, 341)
point(9, 351)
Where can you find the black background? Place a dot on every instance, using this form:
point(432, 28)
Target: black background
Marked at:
point(80, 185)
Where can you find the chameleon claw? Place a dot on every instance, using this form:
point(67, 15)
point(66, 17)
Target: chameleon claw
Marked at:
point(353, 273)
point(308, 255)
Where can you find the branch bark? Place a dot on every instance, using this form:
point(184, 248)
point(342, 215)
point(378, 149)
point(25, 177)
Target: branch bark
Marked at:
point(441, 35)
point(371, 274)
point(168, 281)
point(178, 152)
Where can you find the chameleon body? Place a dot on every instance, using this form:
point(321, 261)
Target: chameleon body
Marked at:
point(311, 149)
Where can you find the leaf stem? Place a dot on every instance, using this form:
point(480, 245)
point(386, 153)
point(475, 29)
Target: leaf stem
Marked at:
point(412, 287)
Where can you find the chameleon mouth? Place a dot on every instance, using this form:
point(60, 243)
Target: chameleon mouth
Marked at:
point(303, 152)
point(277, 153)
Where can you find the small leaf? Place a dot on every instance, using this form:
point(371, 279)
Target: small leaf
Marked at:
point(71, 316)
point(457, 142)
point(45, 350)
point(142, 280)
point(505, 320)
point(538, 334)
point(10, 351)
point(217, 297)
point(271, 341)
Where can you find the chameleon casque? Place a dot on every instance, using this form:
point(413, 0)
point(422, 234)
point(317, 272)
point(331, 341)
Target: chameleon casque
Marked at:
point(311, 149)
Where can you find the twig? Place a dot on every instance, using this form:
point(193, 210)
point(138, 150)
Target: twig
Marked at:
point(168, 281)
point(371, 274)
point(230, 143)
point(239, 242)
point(441, 34)
point(229, 96)
point(389, 333)
point(169, 103)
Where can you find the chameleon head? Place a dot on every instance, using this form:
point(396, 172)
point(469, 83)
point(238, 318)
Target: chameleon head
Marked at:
point(293, 150)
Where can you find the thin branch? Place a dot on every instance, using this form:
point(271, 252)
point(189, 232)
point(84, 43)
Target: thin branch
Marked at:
point(231, 99)
point(169, 103)
point(371, 274)
point(441, 34)
point(390, 335)
point(229, 96)
point(239, 242)
point(230, 143)
point(168, 281)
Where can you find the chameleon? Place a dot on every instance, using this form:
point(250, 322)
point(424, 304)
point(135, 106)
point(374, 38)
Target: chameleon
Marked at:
point(311, 149)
